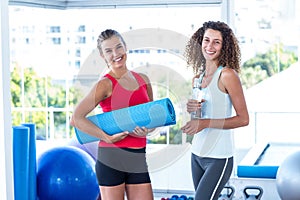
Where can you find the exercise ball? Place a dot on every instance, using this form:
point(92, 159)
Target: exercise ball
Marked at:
point(66, 173)
point(288, 177)
point(91, 148)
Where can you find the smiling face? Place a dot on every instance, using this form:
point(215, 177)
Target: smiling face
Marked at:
point(114, 52)
point(212, 45)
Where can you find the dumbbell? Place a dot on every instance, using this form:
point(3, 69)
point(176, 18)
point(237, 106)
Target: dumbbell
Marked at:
point(255, 196)
point(228, 195)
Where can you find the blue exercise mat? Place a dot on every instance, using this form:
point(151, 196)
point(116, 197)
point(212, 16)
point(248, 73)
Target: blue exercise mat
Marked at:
point(150, 115)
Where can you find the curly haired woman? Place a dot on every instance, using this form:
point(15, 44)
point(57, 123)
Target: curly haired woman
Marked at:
point(214, 54)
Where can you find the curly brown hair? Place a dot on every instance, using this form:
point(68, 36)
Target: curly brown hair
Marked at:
point(230, 52)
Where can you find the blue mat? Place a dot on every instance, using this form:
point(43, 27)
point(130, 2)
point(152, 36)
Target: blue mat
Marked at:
point(263, 160)
point(150, 115)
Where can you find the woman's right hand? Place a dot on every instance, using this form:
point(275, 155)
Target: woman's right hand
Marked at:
point(193, 105)
point(116, 137)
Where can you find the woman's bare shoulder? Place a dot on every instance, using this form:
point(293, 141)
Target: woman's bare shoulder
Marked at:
point(229, 73)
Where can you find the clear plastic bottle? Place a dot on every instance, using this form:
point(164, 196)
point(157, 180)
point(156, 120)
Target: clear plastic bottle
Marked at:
point(197, 95)
point(205, 96)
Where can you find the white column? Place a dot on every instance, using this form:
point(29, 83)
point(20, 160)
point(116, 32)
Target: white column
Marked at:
point(227, 12)
point(6, 169)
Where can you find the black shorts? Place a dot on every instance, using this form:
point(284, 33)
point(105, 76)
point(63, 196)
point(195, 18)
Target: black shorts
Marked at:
point(115, 166)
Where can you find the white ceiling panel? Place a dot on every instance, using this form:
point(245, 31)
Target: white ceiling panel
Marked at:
point(60, 4)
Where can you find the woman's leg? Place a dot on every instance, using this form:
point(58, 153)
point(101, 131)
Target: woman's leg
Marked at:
point(138, 186)
point(139, 191)
point(123, 170)
point(197, 171)
point(217, 173)
point(111, 181)
point(112, 192)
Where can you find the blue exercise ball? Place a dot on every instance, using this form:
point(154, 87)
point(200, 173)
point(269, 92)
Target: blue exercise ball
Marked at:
point(288, 177)
point(66, 173)
point(91, 148)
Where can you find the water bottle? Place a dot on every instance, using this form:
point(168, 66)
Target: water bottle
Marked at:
point(206, 98)
point(197, 95)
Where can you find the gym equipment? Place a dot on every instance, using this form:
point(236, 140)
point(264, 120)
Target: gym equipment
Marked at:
point(228, 194)
point(174, 197)
point(177, 197)
point(31, 161)
point(288, 177)
point(21, 162)
point(66, 173)
point(264, 159)
point(150, 115)
point(182, 197)
point(256, 196)
point(91, 148)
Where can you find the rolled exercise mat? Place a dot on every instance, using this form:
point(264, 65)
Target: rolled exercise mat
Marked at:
point(150, 115)
point(20, 161)
point(32, 161)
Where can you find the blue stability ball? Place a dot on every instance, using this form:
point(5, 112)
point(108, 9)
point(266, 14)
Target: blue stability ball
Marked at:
point(288, 177)
point(66, 173)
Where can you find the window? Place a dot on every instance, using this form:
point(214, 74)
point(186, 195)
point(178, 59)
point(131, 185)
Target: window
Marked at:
point(54, 29)
point(81, 28)
point(77, 64)
point(52, 102)
point(81, 39)
point(56, 40)
point(78, 53)
point(266, 55)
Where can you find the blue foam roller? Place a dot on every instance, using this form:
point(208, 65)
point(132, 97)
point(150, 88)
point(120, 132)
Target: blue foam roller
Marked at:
point(20, 162)
point(32, 161)
point(150, 115)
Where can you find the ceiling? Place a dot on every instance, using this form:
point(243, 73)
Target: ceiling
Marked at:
point(70, 4)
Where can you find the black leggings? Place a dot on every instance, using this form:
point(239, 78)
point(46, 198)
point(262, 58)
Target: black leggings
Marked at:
point(210, 176)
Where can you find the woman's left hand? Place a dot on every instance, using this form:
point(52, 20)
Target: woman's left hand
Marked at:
point(192, 127)
point(140, 131)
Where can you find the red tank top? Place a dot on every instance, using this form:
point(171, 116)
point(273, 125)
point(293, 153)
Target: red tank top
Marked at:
point(122, 98)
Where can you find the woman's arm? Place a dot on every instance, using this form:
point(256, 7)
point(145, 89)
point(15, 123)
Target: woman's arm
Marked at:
point(99, 92)
point(229, 82)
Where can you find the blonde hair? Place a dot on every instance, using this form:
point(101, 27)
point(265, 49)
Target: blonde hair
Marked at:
point(107, 34)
